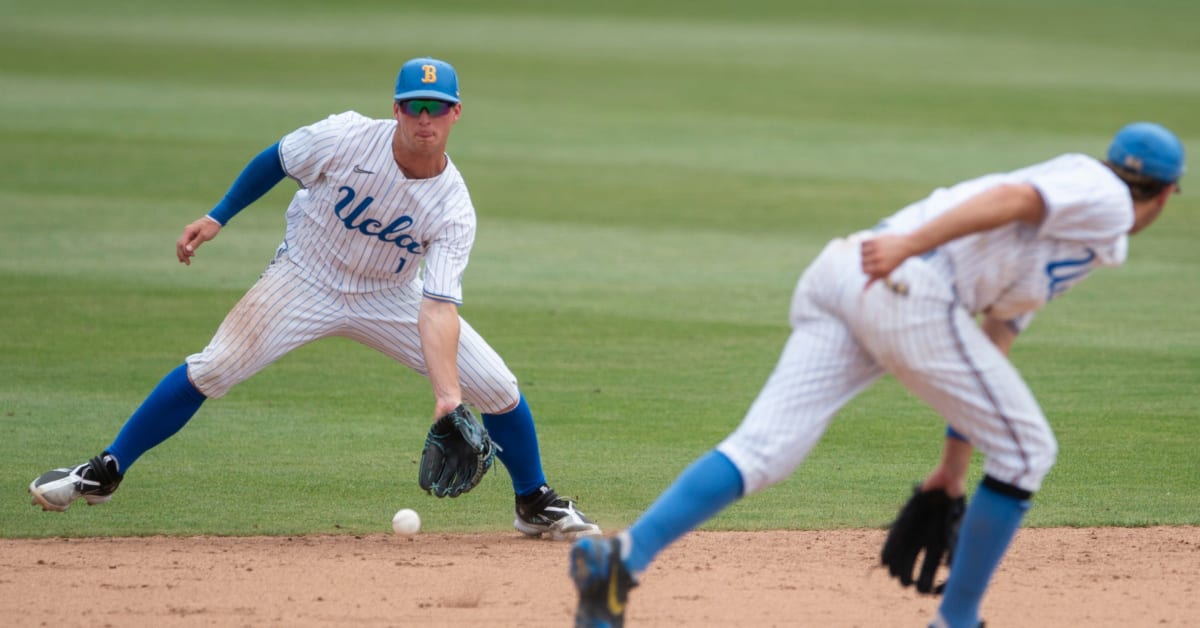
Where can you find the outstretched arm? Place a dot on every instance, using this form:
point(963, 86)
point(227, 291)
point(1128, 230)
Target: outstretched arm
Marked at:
point(438, 325)
point(258, 177)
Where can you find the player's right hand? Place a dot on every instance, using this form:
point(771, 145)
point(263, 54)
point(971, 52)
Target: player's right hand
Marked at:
point(195, 234)
point(883, 254)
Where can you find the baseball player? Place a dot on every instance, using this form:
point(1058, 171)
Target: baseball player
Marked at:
point(377, 241)
point(935, 295)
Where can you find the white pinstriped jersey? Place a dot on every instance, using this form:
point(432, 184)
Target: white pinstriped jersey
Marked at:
point(358, 235)
point(359, 225)
point(1016, 269)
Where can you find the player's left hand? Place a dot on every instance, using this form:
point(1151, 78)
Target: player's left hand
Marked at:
point(458, 451)
point(928, 522)
point(195, 234)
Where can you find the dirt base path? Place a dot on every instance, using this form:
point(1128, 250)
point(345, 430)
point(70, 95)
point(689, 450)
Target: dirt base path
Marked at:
point(1051, 577)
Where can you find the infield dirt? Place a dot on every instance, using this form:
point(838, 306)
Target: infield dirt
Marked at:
point(1051, 577)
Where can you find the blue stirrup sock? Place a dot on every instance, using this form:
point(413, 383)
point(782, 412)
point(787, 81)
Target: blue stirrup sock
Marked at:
point(705, 488)
point(517, 437)
point(170, 405)
point(991, 521)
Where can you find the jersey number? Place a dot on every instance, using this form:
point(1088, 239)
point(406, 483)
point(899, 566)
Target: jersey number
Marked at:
point(1063, 273)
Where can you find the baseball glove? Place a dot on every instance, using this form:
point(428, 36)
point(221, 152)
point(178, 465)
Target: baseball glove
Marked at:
point(458, 451)
point(928, 522)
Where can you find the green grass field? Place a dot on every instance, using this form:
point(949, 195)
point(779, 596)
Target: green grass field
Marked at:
point(651, 178)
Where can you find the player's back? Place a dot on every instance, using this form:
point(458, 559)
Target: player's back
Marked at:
point(1018, 267)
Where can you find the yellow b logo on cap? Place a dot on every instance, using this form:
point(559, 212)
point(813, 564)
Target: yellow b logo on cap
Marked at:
point(430, 74)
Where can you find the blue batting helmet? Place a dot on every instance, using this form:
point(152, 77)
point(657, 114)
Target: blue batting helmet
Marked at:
point(1149, 150)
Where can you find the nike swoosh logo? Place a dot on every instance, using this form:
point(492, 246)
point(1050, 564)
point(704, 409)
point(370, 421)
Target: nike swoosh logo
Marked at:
point(361, 171)
point(615, 605)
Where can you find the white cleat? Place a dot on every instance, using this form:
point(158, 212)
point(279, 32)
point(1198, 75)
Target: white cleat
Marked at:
point(94, 481)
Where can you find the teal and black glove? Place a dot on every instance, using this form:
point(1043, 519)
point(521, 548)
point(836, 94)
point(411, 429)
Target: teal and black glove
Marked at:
point(458, 451)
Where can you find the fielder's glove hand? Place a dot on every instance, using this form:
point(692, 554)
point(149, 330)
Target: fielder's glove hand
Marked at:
point(929, 522)
point(458, 451)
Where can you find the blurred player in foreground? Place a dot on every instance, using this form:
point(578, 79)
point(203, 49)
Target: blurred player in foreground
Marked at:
point(376, 245)
point(903, 298)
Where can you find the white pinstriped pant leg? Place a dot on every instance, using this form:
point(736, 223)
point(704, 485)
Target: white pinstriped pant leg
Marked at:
point(386, 321)
point(486, 380)
point(822, 368)
point(843, 338)
point(932, 345)
point(279, 313)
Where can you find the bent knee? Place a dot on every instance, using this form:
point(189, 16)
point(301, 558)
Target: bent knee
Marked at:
point(1029, 467)
point(492, 395)
point(211, 377)
point(1040, 463)
point(760, 468)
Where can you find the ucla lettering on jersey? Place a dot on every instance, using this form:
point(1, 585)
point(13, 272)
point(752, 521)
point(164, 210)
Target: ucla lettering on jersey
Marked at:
point(397, 232)
point(360, 225)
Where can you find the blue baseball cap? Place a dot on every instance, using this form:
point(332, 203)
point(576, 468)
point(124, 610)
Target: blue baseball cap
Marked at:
point(1149, 150)
point(426, 77)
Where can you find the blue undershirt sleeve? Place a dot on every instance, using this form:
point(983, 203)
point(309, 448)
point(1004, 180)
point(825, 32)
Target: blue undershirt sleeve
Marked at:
point(955, 434)
point(259, 176)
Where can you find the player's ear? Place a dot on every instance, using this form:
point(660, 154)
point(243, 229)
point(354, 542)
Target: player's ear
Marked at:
point(1165, 195)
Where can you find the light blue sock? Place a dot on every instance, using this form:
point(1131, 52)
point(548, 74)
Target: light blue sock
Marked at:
point(705, 488)
point(168, 408)
point(988, 527)
point(514, 432)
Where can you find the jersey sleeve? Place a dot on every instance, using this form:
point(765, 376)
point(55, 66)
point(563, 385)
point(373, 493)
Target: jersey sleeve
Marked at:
point(447, 256)
point(1084, 201)
point(307, 152)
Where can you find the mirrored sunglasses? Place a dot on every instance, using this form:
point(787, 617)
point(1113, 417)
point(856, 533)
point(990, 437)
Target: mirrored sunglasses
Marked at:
point(435, 108)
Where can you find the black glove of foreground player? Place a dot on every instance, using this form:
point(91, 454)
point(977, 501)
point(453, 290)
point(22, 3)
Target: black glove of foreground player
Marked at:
point(928, 522)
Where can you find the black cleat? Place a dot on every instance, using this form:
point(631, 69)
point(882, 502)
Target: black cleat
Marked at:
point(545, 512)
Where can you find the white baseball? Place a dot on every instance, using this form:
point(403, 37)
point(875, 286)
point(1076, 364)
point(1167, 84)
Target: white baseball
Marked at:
point(406, 521)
